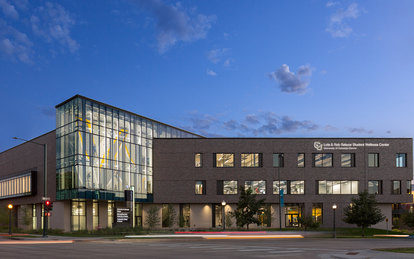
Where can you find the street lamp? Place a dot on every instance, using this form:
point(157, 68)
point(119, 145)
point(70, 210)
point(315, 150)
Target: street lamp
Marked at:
point(44, 176)
point(223, 204)
point(10, 207)
point(334, 229)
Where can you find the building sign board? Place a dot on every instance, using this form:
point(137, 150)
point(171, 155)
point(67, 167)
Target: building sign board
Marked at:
point(320, 146)
point(122, 215)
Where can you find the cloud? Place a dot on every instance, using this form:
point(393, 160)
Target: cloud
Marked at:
point(330, 4)
point(8, 9)
point(338, 28)
point(211, 72)
point(388, 132)
point(15, 44)
point(217, 55)
point(360, 131)
point(201, 121)
point(276, 125)
point(53, 23)
point(175, 24)
point(252, 119)
point(289, 82)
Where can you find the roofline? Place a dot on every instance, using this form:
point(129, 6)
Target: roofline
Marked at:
point(28, 141)
point(347, 138)
point(114, 107)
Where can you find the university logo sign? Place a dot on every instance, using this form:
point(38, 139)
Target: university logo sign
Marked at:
point(317, 145)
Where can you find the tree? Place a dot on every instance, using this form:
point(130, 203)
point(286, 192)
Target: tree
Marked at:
point(308, 222)
point(247, 208)
point(152, 217)
point(408, 219)
point(172, 214)
point(363, 211)
point(228, 220)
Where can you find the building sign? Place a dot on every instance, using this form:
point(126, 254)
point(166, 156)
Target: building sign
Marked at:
point(122, 215)
point(345, 146)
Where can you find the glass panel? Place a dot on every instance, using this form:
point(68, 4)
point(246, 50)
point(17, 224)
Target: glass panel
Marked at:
point(297, 187)
point(258, 187)
point(373, 160)
point(279, 185)
point(229, 187)
point(301, 160)
point(199, 187)
point(401, 160)
point(197, 160)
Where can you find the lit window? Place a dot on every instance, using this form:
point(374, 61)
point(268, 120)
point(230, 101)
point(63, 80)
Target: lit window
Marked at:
point(317, 212)
point(301, 160)
point(198, 158)
point(373, 160)
point(322, 160)
point(200, 187)
point(224, 160)
point(258, 187)
point(408, 186)
point(337, 187)
point(229, 187)
point(348, 160)
point(251, 160)
point(297, 187)
point(278, 186)
point(401, 160)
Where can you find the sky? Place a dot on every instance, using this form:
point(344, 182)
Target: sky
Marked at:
point(217, 68)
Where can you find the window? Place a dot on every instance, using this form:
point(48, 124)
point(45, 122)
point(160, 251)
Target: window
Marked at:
point(401, 160)
point(138, 214)
point(322, 160)
point(317, 212)
point(20, 185)
point(373, 160)
point(337, 187)
point(375, 187)
point(200, 187)
point(348, 160)
point(279, 185)
point(251, 160)
point(408, 186)
point(34, 218)
point(297, 187)
point(396, 187)
point(184, 215)
point(258, 187)
point(95, 214)
point(198, 160)
point(224, 160)
point(78, 215)
point(301, 160)
point(229, 187)
point(110, 213)
point(278, 160)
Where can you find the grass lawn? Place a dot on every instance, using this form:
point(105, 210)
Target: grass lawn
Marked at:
point(407, 250)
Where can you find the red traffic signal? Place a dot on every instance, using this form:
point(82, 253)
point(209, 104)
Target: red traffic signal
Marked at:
point(47, 203)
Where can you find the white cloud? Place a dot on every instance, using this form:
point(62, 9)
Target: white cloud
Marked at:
point(15, 44)
point(53, 23)
point(175, 24)
point(330, 4)
point(8, 9)
point(211, 72)
point(288, 81)
point(338, 28)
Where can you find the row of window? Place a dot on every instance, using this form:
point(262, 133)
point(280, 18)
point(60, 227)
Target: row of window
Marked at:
point(298, 187)
point(318, 160)
point(16, 186)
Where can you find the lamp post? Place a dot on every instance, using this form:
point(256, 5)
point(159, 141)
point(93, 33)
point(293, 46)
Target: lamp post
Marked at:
point(44, 178)
point(334, 229)
point(10, 207)
point(223, 204)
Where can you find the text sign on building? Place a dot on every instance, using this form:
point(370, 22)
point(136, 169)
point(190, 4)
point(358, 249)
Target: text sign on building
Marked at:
point(122, 215)
point(345, 146)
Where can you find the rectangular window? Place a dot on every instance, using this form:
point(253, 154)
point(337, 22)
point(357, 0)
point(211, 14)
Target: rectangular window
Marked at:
point(317, 212)
point(401, 160)
point(229, 187)
point(301, 160)
point(337, 187)
point(375, 187)
point(278, 186)
point(95, 215)
point(278, 159)
point(348, 160)
point(373, 160)
point(297, 187)
point(200, 187)
point(110, 213)
point(408, 186)
point(251, 160)
point(396, 187)
point(20, 185)
point(198, 160)
point(258, 187)
point(322, 160)
point(223, 160)
point(78, 215)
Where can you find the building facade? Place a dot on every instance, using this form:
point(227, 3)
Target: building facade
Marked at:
point(314, 174)
point(98, 151)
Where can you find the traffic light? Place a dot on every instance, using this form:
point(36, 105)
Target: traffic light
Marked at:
point(48, 206)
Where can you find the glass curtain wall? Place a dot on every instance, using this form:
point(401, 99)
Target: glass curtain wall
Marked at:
point(102, 148)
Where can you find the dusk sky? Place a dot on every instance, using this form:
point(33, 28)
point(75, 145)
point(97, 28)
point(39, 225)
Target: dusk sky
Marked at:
point(217, 68)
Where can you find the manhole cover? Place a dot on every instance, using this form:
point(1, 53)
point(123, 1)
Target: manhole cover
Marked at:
point(352, 253)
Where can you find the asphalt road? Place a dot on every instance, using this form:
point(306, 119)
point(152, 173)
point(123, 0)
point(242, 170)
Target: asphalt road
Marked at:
point(200, 248)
